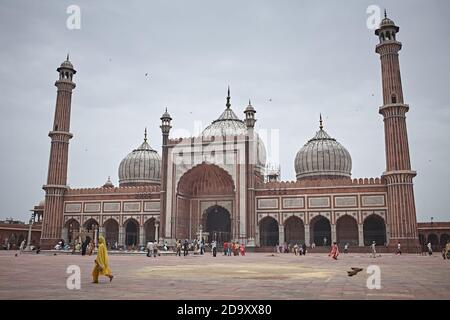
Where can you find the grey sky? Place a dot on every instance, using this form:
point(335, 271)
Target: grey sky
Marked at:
point(306, 56)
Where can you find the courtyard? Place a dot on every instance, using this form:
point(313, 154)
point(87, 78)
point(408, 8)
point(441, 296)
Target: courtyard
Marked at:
point(254, 276)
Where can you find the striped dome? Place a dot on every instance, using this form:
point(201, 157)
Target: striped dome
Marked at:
point(141, 167)
point(323, 157)
point(228, 124)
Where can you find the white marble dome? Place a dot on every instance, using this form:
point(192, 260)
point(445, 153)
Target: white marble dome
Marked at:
point(140, 167)
point(323, 157)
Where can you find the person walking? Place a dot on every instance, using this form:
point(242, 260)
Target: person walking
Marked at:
point(149, 248)
point(334, 251)
point(447, 250)
point(22, 246)
point(101, 266)
point(373, 249)
point(214, 248)
point(178, 247)
point(346, 248)
point(296, 249)
point(202, 246)
point(85, 245)
point(155, 249)
point(185, 247)
point(91, 248)
point(225, 248)
point(430, 249)
point(242, 249)
point(399, 250)
point(304, 249)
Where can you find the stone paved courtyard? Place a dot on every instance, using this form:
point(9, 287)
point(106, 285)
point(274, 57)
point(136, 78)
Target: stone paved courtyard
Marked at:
point(255, 276)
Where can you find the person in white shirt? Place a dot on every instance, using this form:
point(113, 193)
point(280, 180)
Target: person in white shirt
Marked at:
point(22, 246)
point(150, 247)
point(373, 249)
point(214, 248)
point(430, 249)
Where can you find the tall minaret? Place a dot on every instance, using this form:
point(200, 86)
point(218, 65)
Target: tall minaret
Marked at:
point(57, 168)
point(250, 161)
point(165, 130)
point(398, 175)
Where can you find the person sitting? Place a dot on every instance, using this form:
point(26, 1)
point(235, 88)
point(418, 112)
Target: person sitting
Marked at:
point(58, 246)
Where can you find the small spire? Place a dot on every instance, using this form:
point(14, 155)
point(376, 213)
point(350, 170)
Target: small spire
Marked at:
point(385, 14)
point(320, 122)
point(166, 109)
point(228, 98)
point(145, 134)
point(67, 58)
point(249, 102)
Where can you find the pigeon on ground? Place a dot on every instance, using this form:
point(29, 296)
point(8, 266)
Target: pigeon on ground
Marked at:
point(354, 271)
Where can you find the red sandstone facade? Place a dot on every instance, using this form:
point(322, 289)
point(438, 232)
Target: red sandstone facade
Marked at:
point(213, 185)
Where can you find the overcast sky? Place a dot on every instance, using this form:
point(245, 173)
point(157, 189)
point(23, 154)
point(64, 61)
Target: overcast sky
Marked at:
point(294, 59)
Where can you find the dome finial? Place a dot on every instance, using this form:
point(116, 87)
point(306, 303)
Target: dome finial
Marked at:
point(228, 98)
point(385, 14)
point(145, 134)
point(320, 121)
point(67, 58)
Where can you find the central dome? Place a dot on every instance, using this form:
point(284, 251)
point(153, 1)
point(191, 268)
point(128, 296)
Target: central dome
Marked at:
point(228, 124)
point(323, 157)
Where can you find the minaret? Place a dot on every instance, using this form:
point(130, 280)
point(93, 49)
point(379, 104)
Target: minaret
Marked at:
point(398, 175)
point(57, 168)
point(250, 160)
point(165, 129)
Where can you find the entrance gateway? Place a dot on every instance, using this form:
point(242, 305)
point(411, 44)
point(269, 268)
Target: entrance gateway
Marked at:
point(217, 224)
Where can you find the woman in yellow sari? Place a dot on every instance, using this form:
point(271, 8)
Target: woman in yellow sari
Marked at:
point(102, 262)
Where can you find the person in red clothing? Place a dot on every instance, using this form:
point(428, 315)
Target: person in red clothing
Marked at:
point(225, 248)
point(334, 251)
point(242, 249)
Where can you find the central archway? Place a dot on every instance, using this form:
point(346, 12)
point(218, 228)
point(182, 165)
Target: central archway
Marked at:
point(217, 223)
point(204, 181)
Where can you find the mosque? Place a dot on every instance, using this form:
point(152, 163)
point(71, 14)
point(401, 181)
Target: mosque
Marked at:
point(216, 185)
